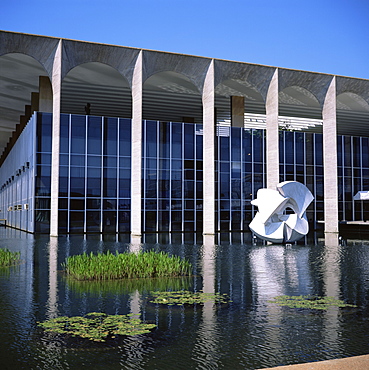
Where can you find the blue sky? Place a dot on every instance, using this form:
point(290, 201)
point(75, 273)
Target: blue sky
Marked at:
point(328, 36)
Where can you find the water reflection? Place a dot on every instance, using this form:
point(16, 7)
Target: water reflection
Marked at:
point(206, 350)
point(52, 302)
point(249, 332)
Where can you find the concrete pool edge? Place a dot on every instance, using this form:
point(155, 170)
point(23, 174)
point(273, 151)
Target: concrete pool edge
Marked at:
point(347, 363)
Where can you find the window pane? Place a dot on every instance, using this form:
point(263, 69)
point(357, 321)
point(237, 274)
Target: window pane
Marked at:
point(94, 135)
point(78, 134)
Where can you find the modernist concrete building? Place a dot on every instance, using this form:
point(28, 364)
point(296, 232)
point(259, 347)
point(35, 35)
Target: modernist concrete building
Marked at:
point(103, 138)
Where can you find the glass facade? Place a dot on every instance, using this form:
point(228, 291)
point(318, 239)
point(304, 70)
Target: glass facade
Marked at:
point(17, 186)
point(241, 169)
point(172, 176)
point(95, 175)
point(353, 176)
point(301, 159)
point(43, 172)
point(241, 173)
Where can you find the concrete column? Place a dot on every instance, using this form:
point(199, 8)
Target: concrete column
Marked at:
point(272, 134)
point(208, 100)
point(27, 111)
point(237, 111)
point(136, 153)
point(45, 95)
point(56, 88)
point(330, 160)
point(188, 119)
point(35, 100)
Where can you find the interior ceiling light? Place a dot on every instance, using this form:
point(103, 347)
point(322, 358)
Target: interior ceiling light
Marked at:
point(258, 121)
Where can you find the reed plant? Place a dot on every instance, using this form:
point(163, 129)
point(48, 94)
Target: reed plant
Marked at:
point(104, 266)
point(8, 258)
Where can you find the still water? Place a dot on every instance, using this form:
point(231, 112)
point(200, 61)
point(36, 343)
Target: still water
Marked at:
point(250, 332)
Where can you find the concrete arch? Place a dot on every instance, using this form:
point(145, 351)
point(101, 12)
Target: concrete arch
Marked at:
point(19, 83)
point(240, 88)
point(172, 96)
point(355, 86)
point(352, 101)
point(99, 84)
point(41, 48)
point(76, 53)
point(316, 84)
point(194, 68)
point(299, 96)
point(302, 94)
point(247, 78)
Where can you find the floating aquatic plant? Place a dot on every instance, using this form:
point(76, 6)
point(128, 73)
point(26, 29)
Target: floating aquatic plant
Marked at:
point(310, 302)
point(103, 266)
point(185, 297)
point(8, 258)
point(97, 326)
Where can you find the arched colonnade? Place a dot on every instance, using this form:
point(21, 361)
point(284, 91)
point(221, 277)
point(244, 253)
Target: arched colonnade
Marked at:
point(160, 85)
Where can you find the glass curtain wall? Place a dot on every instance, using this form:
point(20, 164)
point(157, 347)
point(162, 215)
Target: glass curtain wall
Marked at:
point(17, 174)
point(43, 172)
point(95, 173)
point(353, 176)
point(241, 173)
point(172, 176)
point(301, 159)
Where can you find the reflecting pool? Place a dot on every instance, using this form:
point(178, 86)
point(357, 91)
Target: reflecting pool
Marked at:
point(249, 332)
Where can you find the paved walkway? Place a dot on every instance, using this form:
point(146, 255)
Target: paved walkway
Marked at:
point(349, 363)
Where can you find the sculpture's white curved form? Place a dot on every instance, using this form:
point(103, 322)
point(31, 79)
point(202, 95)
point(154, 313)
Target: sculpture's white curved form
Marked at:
point(271, 222)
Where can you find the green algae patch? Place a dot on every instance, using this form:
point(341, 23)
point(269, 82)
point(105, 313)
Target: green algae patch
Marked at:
point(184, 297)
point(97, 326)
point(309, 302)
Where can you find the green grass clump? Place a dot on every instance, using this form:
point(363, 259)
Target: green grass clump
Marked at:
point(8, 258)
point(185, 297)
point(96, 326)
point(104, 266)
point(309, 302)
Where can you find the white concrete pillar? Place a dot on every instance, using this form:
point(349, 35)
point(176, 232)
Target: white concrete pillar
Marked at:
point(272, 134)
point(208, 101)
point(136, 145)
point(237, 111)
point(56, 88)
point(330, 160)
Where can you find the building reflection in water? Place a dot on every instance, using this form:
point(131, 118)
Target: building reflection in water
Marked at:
point(251, 275)
point(206, 348)
point(135, 247)
point(52, 302)
point(331, 278)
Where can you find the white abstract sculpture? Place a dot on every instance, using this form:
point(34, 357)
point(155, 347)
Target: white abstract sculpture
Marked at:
point(271, 222)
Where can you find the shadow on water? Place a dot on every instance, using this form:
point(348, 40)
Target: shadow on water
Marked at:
point(248, 332)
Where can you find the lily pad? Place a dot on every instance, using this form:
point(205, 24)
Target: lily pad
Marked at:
point(97, 326)
point(309, 302)
point(182, 297)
